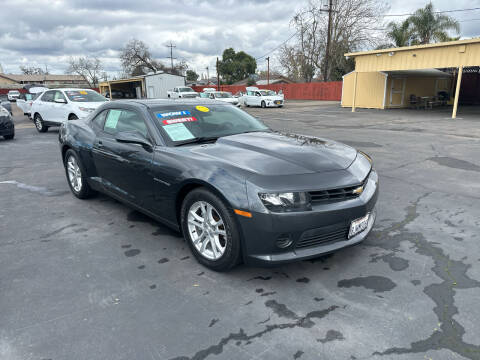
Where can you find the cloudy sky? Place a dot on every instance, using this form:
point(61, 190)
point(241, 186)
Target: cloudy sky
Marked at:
point(47, 32)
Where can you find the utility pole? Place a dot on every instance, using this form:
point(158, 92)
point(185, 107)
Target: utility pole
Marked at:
point(327, 50)
point(208, 76)
point(218, 78)
point(268, 70)
point(171, 46)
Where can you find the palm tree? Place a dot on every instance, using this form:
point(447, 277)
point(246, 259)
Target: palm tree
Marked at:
point(401, 34)
point(430, 26)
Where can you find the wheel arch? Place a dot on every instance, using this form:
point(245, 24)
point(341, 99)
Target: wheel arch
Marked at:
point(191, 185)
point(70, 115)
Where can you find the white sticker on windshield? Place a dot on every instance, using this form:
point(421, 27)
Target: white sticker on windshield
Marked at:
point(178, 132)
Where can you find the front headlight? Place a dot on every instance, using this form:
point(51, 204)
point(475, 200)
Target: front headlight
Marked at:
point(84, 109)
point(286, 202)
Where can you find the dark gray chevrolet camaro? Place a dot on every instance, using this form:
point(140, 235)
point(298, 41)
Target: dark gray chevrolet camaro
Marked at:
point(235, 189)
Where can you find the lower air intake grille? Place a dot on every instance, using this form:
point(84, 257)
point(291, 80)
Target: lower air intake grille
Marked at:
point(318, 237)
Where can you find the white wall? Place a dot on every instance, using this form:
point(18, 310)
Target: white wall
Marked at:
point(157, 85)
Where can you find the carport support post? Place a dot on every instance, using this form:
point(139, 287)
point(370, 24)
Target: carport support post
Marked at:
point(110, 91)
point(457, 92)
point(354, 91)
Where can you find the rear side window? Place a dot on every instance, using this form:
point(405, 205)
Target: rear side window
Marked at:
point(124, 120)
point(48, 96)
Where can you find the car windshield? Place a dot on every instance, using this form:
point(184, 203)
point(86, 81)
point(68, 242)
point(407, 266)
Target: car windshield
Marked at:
point(223, 95)
point(29, 96)
point(84, 96)
point(185, 89)
point(267, 92)
point(14, 92)
point(185, 123)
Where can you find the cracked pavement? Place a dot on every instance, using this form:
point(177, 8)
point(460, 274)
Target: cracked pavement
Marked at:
point(95, 280)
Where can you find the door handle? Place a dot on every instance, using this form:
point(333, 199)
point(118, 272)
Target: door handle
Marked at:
point(100, 144)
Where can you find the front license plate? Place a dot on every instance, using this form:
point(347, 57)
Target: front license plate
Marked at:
point(278, 102)
point(359, 225)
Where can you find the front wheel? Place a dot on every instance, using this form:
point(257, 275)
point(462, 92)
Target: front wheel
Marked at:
point(210, 230)
point(39, 124)
point(9, 137)
point(76, 176)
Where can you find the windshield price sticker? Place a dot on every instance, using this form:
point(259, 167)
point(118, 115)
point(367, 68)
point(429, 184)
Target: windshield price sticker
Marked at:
point(178, 132)
point(173, 113)
point(179, 120)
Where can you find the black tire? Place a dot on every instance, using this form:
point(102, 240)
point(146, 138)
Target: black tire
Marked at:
point(263, 104)
point(85, 190)
point(73, 117)
point(39, 124)
point(9, 137)
point(232, 254)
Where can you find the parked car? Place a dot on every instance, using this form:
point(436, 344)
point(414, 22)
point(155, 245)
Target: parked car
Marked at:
point(6, 104)
point(7, 127)
point(236, 189)
point(55, 107)
point(261, 97)
point(224, 96)
point(25, 101)
point(182, 92)
point(13, 95)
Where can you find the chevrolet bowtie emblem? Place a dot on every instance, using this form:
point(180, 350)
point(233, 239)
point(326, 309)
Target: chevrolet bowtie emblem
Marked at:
point(358, 190)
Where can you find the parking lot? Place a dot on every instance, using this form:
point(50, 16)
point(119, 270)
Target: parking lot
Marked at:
point(95, 280)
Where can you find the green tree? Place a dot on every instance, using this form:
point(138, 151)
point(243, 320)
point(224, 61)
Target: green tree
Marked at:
point(401, 34)
point(236, 66)
point(192, 75)
point(430, 26)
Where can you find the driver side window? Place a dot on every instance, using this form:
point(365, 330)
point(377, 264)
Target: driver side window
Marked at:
point(58, 95)
point(119, 120)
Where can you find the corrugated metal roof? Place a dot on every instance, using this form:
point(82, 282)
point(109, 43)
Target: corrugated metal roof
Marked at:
point(50, 77)
point(415, 47)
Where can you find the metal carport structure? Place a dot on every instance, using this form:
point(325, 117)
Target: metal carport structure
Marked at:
point(373, 82)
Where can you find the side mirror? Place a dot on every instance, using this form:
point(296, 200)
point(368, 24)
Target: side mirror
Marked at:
point(61, 101)
point(133, 137)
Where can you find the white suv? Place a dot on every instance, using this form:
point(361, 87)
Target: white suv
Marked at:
point(13, 95)
point(57, 106)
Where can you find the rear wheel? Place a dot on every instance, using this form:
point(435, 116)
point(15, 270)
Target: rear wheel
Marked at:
point(39, 124)
point(210, 230)
point(9, 137)
point(76, 176)
point(263, 104)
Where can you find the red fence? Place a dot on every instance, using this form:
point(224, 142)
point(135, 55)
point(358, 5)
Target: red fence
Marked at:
point(331, 90)
point(5, 91)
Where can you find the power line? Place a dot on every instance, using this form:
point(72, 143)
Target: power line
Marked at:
point(283, 43)
point(171, 46)
point(436, 12)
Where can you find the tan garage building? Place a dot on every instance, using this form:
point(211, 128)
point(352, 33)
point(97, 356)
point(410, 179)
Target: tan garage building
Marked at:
point(414, 76)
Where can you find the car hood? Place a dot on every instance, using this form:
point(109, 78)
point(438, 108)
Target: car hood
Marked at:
point(270, 153)
point(229, 100)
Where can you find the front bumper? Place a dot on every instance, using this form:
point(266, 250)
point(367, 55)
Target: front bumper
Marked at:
point(326, 224)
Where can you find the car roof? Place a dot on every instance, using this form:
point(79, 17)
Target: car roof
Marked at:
point(151, 103)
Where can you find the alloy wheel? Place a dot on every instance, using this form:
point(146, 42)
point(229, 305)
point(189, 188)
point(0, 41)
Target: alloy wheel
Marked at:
point(38, 123)
point(74, 174)
point(207, 230)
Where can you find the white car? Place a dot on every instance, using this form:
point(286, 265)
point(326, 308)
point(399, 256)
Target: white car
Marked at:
point(13, 95)
point(224, 96)
point(57, 106)
point(182, 92)
point(25, 101)
point(262, 97)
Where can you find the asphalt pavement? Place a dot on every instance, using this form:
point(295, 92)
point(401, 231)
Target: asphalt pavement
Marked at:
point(96, 280)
